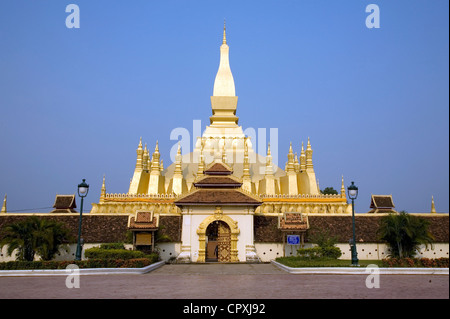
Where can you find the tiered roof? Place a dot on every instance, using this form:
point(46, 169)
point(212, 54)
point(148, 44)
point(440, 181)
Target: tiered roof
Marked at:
point(218, 187)
point(143, 221)
point(64, 204)
point(382, 204)
point(293, 222)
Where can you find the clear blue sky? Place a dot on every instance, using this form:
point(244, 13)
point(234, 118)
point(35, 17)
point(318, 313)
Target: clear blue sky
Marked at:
point(375, 102)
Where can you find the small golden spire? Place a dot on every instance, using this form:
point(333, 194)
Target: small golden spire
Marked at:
point(268, 148)
point(4, 206)
point(342, 188)
point(433, 208)
point(103, 190)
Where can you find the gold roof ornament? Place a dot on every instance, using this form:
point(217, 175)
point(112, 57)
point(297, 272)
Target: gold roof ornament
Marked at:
point(343, 194)
point(103, 190)
point(302, 159)
point(269, 167)
point(4, 206)
point(433, 208)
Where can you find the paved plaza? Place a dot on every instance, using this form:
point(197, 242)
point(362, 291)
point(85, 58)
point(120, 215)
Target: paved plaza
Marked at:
point(225, 281)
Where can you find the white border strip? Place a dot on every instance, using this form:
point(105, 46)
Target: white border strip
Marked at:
point(361, 270)
point(82, 271)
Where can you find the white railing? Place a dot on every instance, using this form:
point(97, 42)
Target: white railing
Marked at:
point(139, 196)
point(303, 196)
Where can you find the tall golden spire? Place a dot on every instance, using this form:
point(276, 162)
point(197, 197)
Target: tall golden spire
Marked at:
point(302, 159)
point(269, 166)
point(145, 158)
point(155, 166)
point(201, 164)
point(224, 99)
point(296, 163)
point(140, 154)
point(290, 167)
point(309, 152)
point(224, 82)
point(178, 161)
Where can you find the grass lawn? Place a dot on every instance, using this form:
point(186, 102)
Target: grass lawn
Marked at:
point(323, 262)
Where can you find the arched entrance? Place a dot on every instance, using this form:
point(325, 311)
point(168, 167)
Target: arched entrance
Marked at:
point(218, 242)
point(226, 241)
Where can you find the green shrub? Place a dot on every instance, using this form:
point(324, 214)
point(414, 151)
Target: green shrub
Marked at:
point(112, 246)
point(90, 263)
point(99, 253)
point(322, 238)
point(331, 252)
point(319, 252)
point(309, 253)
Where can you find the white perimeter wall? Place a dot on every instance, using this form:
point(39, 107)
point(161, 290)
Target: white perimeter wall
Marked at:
point(270, 251)
point(265, 251)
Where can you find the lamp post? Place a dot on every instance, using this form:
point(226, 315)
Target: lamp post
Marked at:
point(353, 193)
point(83, 190)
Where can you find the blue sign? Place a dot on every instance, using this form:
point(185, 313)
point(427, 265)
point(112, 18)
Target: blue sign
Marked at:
point(293, 239)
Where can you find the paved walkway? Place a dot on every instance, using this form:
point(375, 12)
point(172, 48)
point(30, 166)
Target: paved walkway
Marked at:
point(225, 281)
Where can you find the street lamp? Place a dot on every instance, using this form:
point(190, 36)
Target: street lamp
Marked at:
point(83, 190)
point(353, 193)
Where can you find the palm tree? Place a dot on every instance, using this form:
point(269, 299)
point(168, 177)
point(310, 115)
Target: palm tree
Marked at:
point(404, 233)
point(19, 236)
point(50, 236)
point(33, 236)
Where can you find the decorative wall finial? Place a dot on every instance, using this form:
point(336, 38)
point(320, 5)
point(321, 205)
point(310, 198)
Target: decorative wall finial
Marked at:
point(4, 205)
point(433, 208)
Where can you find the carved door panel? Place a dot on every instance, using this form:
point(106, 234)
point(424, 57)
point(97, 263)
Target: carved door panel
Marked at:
point(224, 243)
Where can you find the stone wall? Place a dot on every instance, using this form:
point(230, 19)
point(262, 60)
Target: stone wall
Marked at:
point(99, 228)
point(95, 228)
point(366, 227)
point(171, 226)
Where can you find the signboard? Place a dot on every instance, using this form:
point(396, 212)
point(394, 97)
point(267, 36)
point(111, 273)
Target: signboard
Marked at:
point(293, 239)
point(143, 239)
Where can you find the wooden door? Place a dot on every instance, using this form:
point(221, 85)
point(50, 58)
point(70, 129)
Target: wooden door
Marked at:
point(224, 243)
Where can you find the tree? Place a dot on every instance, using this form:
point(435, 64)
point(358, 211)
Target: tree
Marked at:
point(329, 191)
point(19, 236)
point(404, 233)
point(51, 236)
point(33, 236)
